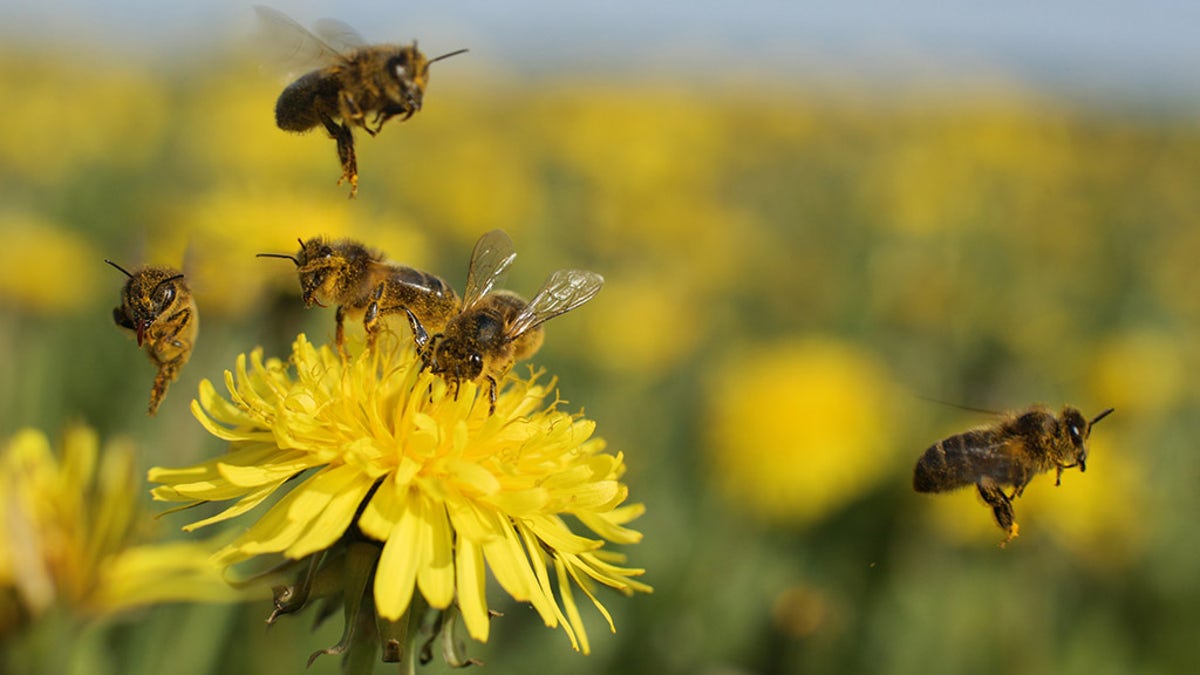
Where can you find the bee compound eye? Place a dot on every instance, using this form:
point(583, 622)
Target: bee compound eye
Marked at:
point(477, 361)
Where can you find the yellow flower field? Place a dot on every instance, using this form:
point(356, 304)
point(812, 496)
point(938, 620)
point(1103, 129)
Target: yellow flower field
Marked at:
point(805, 285)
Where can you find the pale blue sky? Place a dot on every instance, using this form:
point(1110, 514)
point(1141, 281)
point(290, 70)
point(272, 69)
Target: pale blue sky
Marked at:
point(1104, 44)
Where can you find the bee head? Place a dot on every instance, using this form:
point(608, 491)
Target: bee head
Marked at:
point(315, 261)
point(1078, 429)
point(320, 264)
point(410, 72)
point(148, 293)
point(457, 358)
point(407, 71)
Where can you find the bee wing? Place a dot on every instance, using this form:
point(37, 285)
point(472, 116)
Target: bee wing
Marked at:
point(493, 253)
point(406, 276)
point(289, 46)
point(563, 291)
point(339, 35)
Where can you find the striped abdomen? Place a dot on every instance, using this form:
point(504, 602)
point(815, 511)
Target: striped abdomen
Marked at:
point(959, 461)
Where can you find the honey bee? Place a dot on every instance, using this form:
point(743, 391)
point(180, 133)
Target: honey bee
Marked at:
point(356, 81)
point(361, 282)
point(1010, 452)
point(495, 329)
point(157, 306)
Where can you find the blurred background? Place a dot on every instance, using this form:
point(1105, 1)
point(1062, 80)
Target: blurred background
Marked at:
point(818, 224)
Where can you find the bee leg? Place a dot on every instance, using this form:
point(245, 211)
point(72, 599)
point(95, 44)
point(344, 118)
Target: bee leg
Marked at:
point(1058, 476)
point(345, 147)
point(420, 335)
point(492, 387)
point(388, 113)
point(421, 339)
point(1002, 508)
point(380, 118)
point(167, 372)
point(353, 113)
point(339, 336)
point(1019, 488)
point(122, 319)
point(371, 318)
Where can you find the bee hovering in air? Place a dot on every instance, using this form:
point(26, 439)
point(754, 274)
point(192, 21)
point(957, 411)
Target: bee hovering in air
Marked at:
point(157, 306)
point(1009, 453)
point(354, 81)
point(361, 282)
point(495, 329)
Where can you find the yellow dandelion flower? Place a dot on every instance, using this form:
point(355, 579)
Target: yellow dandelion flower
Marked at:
point(799, 429)
point(68, 535)
point(36, 283)
point(384, 473)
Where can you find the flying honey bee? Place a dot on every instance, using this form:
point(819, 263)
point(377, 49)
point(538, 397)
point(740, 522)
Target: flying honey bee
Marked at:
point(495, 329)
point(356, 80)
point(157, 306)
point(1010, 452)
point(361, 282)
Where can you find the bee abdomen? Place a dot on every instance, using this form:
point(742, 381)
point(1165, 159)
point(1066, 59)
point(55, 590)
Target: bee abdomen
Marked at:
point(297, 107)
point(950, 463)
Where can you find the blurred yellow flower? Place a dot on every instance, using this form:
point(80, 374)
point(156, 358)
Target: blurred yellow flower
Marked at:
point(61, 278)
point(229, 120)
point(49, 134)
point(378, 446)
point(1142, 373)
point(457, 173)
point(796, 430)
point(69, 530)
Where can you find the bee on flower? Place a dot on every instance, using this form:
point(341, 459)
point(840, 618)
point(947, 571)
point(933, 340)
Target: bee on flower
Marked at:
point(404, 491)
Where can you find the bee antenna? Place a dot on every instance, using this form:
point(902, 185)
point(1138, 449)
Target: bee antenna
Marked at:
point(1101, 416)
point(445, 56)
point(279, 255)
point(956, 405)
point(123, 270)
point(168, 280)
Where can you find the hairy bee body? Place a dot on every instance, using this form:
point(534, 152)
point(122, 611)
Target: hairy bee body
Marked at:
point(363, 284)
point(494, 328)
point(484, 332)
point(360, 86)
point(158, 309)
point(363, 83)
point(1007, 454)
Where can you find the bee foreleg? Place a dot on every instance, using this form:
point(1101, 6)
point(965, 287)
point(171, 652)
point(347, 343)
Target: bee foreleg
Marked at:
point(122, 319)
point(380, 117)
point(180, 320)
point(492, 387)
point(339, 335)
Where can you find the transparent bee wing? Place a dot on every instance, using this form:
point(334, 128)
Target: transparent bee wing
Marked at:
point(493, 253)
point(338, 35)
point(288, 46)
point(563, 291)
